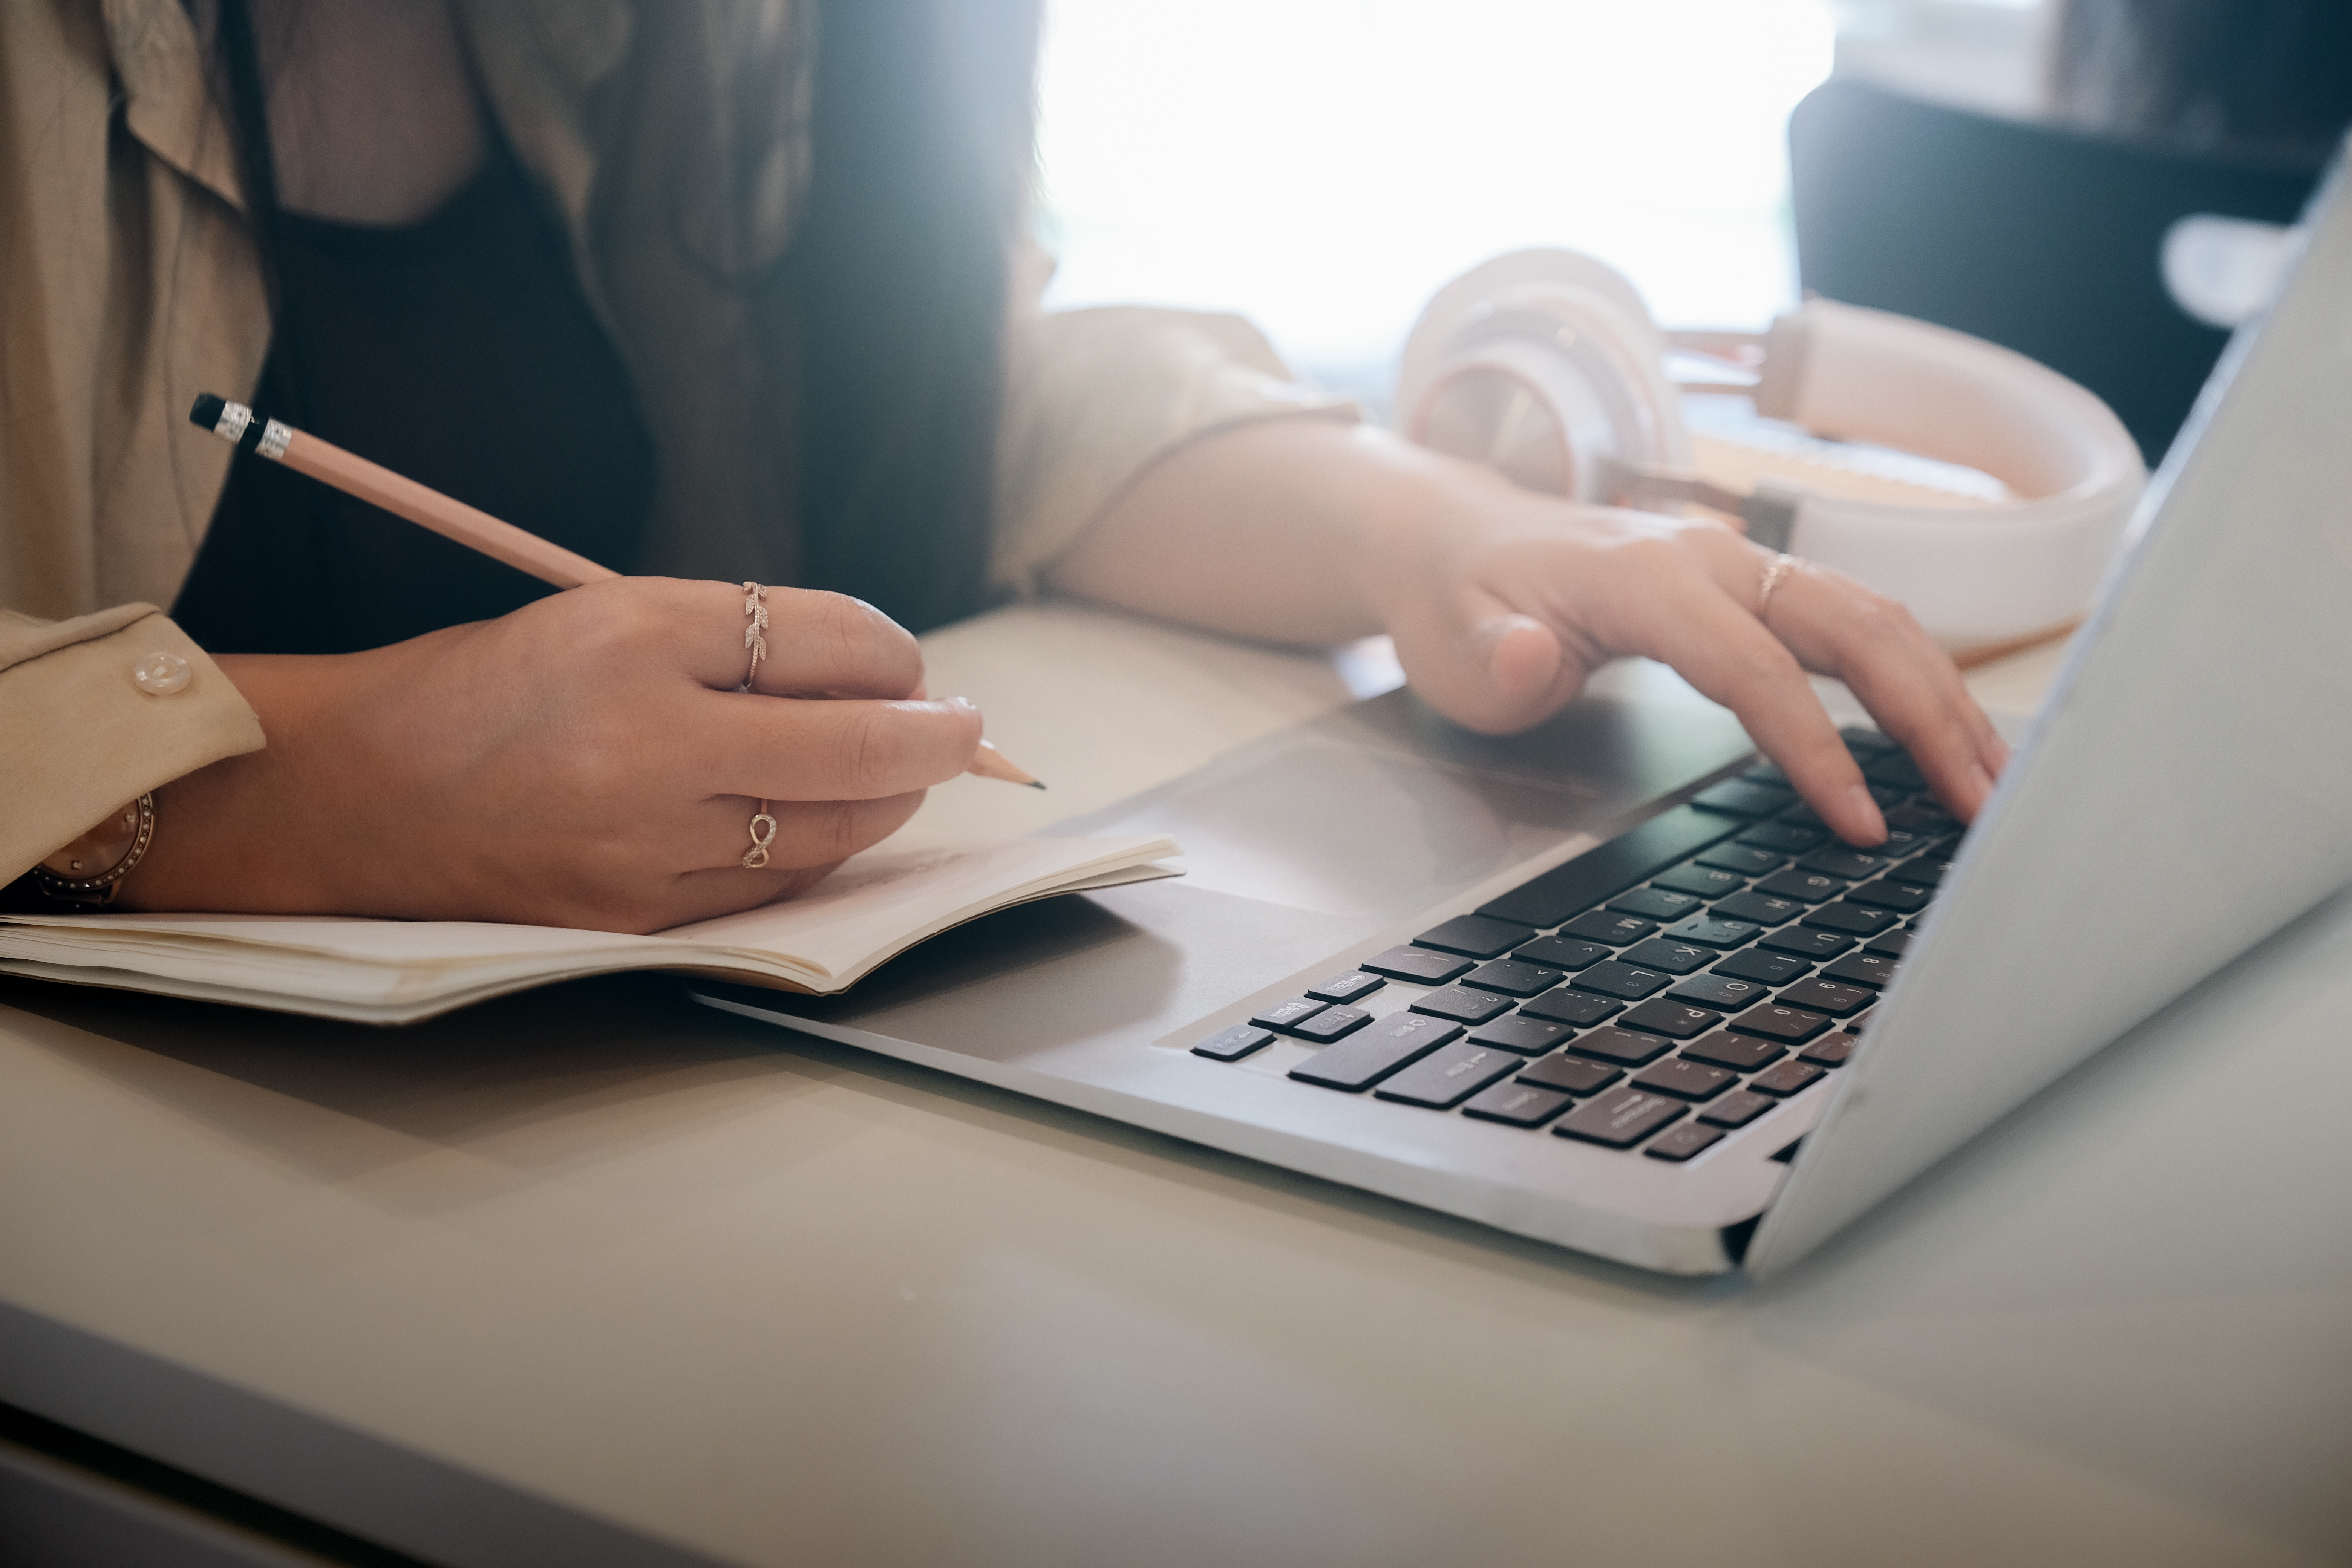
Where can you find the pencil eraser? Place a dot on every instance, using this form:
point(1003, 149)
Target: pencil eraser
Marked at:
point(205, 414)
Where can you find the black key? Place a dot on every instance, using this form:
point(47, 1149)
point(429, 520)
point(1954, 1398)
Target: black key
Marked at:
point(1567, 1075)
point(1561, 952)
point(1850, 919)
point(1923, 817)
point(1619, 1119)
point(1787, 1078)
point(1673, 957)
point(1619, 1045)
point(1788, 1025)
point(1330, 1024)
point(1580, 1008)
point(1475, 936)
point(1656, 903)
point(1832, 1052)
point(1417, 963)
point(1786, 838)
point(1683, 1081)
point(1529, 1037)
point(1803, 815)
point(1671, 1018)
point(1736, 1109)
point(1464, 1006)
point(1719, 991)
point(1706, 881)
point(1517, 1105)
point(1450, 1075)
point(1804, 887)
point(1285, 1015)
point(1926, 871)
point(1902, 841)
point(1758, 909)
point(1889, 944)
point(1625, 982)
point(1837, 861)
point(1802, 943)
point(1346, 986)
point(1818, 995)
point(1740, 857)
point(1887, 797)
point(1600, 925)
point(1765, 774)
point(1231, 1044)
point(1679, 1144)
point(1736, 798)
point(1765, 968)
point(1896, 771)
point(1740, 1053)
point(1365, 1058)
point(1710, 931)
point(1862, 969)
point(1513, 978)
point(1865, 744)
point(1900, 896)
point(1607, 869)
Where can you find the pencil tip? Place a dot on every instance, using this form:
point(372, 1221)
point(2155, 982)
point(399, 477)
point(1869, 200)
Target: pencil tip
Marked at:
point(1036, 783)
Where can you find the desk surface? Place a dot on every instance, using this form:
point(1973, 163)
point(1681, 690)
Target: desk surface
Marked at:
point(715, 1292)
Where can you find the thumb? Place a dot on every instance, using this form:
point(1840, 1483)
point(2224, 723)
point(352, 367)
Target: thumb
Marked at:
point(1493, 672)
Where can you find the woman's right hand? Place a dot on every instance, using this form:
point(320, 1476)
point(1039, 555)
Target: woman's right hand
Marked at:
point(582, 762)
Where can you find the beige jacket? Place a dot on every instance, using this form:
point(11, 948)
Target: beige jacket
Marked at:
point(128, 284)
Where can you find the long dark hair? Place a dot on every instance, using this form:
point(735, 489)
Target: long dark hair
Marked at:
point(2244, 75)
point(881, 324)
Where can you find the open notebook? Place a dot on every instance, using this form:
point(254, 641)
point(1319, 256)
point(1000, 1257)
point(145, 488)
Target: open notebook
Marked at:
point(877, 905)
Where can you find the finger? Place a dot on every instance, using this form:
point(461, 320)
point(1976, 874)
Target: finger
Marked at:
point(1484, 665)
point(817, 644)
point(807, 833)
point(783, 748)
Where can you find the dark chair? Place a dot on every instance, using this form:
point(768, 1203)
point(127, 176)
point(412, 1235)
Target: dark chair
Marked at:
point(2043, 240)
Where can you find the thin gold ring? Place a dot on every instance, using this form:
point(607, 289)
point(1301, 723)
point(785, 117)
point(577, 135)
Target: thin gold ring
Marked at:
point(757, 856)
point(1779, 569)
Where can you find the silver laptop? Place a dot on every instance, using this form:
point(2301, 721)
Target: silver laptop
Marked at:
point(1608, 986)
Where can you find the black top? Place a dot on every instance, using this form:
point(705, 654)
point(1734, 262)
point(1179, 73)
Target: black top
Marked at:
point(459, 352)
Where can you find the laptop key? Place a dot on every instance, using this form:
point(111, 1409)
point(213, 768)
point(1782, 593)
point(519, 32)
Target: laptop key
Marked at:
point(1673, 957)
point(1758, 909)
point(1865, 744)
point(1851, 919)
point(1787, 1078)
point(1368, 1055)
point(1626, 982)
point(1679, 1144)
point(1569, 1075)
point(1903, 897)
point(1745, 859)
point(1513, 978)
point(1865, 968)
point(1463, 1005)
point(1561, 952)
point(1803, 815)
point(1622, 1046)
point(1619, 1119)
point(1889, 944)
point(1923, 817)
point(1764, 968)
point(1285, 1015)
point(1837, 861)
point(1926, 871)
point(1820, 996)
point(1832, 1052)
point(1803, 887)
point(1738, 1108)
point(1896, 770)
point(1517, 1105)
point(1231, 1044)
point(1803, 943)
point(1348, 986)
point(1712, 930)
point(1656, 903)
point(1670, 1019)
point(1736, 798)
point(1719, 990)
point(1449, 1075)
point(1580, 1008)
point(1529, 1037)
point(1475, 936)
point(1740, 1053)
point(1600, 925)
point(1683, 1079)
point(1787, 837)
point(1331, 1023)
point(1787, 1026)
point(1422, 965)
point(1706, 881)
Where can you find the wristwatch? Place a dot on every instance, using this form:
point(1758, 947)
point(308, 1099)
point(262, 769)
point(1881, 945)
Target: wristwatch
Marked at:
point(88, 872)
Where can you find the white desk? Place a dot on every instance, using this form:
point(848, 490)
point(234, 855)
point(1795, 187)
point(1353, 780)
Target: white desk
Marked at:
point(601, 1255)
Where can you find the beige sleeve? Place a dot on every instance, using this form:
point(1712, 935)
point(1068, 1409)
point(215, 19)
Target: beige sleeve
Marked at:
point(1094, 398)
point(81, 738)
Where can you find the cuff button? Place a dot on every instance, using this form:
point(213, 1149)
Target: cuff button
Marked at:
point(161, 674)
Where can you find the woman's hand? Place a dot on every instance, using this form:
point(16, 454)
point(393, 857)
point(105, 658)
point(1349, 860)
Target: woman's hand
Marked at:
point(582, 762)
point(1502, 601)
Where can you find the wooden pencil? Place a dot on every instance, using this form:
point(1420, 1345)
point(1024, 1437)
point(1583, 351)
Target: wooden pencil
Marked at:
point(452, 519)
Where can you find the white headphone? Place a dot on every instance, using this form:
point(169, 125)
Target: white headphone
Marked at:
point(1545, 364)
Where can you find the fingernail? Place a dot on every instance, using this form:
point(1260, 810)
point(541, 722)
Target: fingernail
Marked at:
point(966, 703)
point(1862, 810)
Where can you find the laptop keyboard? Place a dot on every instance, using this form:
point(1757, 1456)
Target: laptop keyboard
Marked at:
point(1682, 980)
